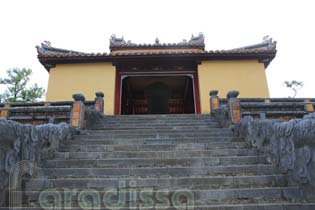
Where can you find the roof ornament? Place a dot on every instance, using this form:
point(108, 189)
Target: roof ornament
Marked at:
point(115, 41)
point(267, 39)
point(197, 39)
point(157, 41)
point(271, 45)
point(47, 43)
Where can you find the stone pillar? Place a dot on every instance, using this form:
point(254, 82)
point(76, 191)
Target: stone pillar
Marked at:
point(308, 106)
point(214, 100)
point(5, 111)
point(78, 111)
point(99, 102)
point(234, 107)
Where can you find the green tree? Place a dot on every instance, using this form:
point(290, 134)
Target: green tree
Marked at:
point(17, 86)
point(294, 86)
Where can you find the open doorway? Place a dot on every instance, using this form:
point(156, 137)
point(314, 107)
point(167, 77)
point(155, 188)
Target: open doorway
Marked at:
point(157, 95)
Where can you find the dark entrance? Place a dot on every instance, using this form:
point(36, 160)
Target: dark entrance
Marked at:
point(157, 95)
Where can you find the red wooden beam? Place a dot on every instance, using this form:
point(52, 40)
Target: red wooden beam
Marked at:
point(117, 93)
point(197, 96)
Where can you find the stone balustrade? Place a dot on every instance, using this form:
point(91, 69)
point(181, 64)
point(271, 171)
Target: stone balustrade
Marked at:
point(281, 129)
point(36, 113)
point(24, 146)
point(262, 108)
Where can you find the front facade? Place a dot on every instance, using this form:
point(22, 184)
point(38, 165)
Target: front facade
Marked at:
point(157, 78)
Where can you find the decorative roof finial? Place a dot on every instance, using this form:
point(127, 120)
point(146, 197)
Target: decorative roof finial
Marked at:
point(270, 43)
point(197, 39)
point(157, 41)
point(47, 43)
point(115, 41)
point(267, 39)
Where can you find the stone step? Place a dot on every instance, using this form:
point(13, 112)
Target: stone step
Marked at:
point(229, 170)
point(161, 126)
point(152, 147)
point(157, 131)
point(158, 117)
point(152, 141)
point(151, 162)
point(156, 135)
point(201, 197)
point(156, 154)
point(155, 123)
point(167, 122)
point(284, 205)
point(161, 183)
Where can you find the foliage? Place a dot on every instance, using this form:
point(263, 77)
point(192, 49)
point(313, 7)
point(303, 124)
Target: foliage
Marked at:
point(17, 86)
point(294, 86)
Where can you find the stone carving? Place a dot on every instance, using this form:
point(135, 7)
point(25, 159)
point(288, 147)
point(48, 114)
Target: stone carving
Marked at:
point(290, 145)
point(27, 142)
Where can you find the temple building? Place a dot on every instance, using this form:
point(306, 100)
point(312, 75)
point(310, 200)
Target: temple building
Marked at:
point(157, 78)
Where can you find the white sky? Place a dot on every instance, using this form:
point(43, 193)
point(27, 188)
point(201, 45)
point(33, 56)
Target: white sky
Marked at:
point(87, 26)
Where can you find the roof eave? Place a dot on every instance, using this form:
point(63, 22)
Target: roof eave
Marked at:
point(50, 62)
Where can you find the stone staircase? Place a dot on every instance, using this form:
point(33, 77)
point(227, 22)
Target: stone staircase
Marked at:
point(158, 159)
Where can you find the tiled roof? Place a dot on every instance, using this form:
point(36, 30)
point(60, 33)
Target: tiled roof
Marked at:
point(195, 42)
point(264, 51)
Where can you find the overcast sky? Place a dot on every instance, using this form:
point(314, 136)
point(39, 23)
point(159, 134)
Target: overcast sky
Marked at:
point(87, 26)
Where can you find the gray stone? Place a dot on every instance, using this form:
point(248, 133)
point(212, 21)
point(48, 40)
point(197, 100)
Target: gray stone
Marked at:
point(78, 97)
point(232, 94)
point(213, 92)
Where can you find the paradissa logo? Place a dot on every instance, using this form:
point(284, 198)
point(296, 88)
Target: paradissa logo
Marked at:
point(116, 198)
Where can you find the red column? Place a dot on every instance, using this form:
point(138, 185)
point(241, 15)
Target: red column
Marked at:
point(197, 97)
point(117, 93)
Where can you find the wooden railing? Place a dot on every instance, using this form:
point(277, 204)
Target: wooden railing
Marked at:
point(176, 106)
